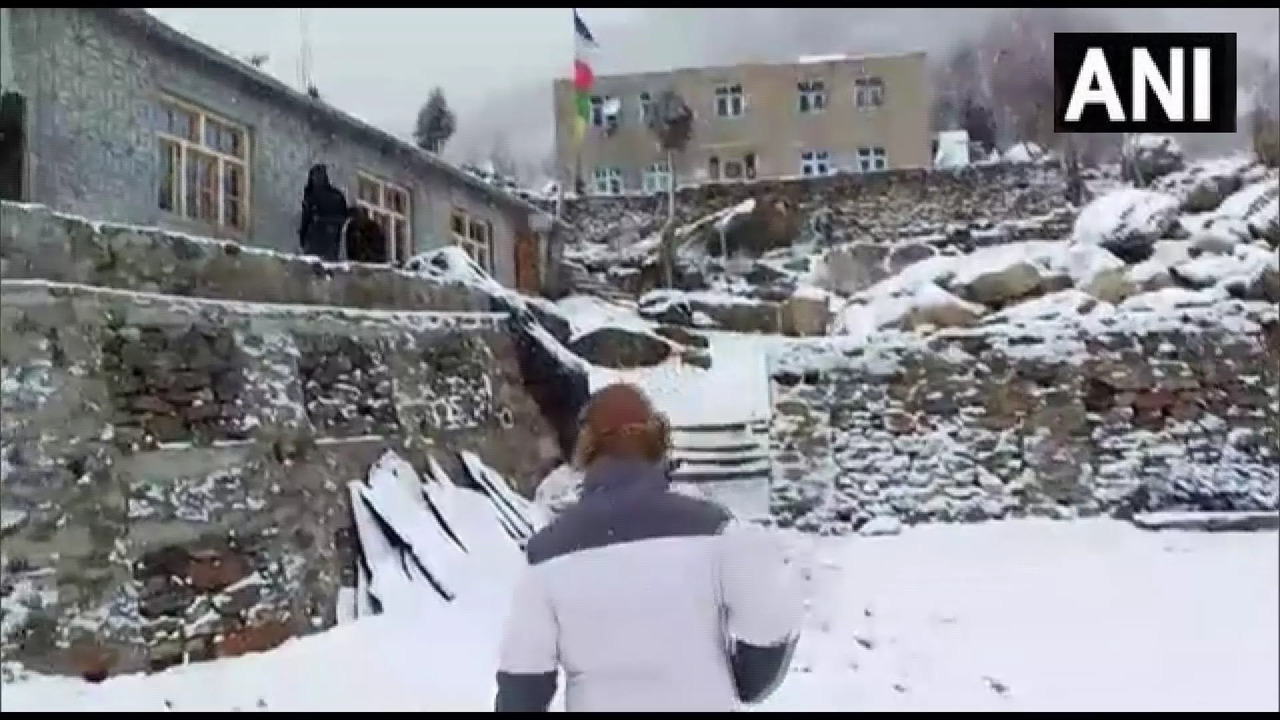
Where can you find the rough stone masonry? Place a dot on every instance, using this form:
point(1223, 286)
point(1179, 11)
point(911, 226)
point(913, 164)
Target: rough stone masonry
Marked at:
point(174, 469)
point(1148, 411)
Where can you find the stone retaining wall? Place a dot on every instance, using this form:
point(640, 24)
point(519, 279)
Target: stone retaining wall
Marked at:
point(175, 469)
point(1155, 412)
point(37, 243)
point(875, 207)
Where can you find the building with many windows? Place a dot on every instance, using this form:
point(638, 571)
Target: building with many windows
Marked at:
point(119, 117)
point(817, 116)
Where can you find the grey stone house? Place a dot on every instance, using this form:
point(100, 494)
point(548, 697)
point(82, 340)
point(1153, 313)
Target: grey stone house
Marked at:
point(126, 119)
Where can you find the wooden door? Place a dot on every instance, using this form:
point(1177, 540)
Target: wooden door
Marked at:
point(528, 263)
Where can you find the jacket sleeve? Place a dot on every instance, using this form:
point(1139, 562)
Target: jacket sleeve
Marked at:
point(528, 658)
point(762, 607)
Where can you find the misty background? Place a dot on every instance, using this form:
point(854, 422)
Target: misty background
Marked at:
point(496, 65)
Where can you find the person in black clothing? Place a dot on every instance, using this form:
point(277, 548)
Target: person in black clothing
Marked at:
point(366, 242)
point(324, 212)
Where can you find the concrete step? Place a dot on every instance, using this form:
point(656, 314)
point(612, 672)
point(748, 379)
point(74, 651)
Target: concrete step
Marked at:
point(694, 477)
point(712, 451)
point(718, 459)
point(756, 469)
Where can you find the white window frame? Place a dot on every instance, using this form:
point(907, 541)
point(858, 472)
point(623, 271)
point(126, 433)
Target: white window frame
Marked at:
point(657, 178)
point(382, 212)
point(730, 100)
point(872, 159)
point(868, 92)
point(186, 146)
point(607, 181)
point(815, 163)
point(812, 97)
point(597, 110)
point(474, 235)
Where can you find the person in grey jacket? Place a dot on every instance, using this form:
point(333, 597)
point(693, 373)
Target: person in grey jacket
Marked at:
point(649, 600)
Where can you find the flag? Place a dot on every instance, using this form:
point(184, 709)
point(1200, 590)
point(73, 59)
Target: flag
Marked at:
point(583, 75)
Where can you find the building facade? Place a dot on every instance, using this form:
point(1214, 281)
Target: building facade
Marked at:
point(129, 120)
point(817, 116)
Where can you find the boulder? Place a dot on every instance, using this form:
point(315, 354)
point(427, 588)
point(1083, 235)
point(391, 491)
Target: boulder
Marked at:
point(768, 224)
point(852, 268)
point(683, 336)
point(804, 316)
point(908, 254)
point(617, 347)
point(1258, 207)
point(665, 306)
point(739, 314)
point(936, 308)
point(1151, 157)
point(1000, 286)
point(1127, 222)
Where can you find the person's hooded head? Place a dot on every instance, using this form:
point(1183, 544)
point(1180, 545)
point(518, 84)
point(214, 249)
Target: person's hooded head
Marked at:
point(620, 423)
point(317, 177)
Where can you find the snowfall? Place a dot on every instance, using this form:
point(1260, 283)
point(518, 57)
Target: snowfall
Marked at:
point(1026, 615)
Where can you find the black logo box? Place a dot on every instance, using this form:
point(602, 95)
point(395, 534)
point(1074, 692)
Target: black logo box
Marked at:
point(1068, 58)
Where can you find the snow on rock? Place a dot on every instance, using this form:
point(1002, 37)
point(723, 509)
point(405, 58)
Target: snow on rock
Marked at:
point(1258, 206)
point(1127, 222)
point(1024, 153)
point(1151, 156)
point(1203, 185)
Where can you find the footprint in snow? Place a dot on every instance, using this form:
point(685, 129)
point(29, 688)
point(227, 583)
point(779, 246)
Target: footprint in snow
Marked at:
point(999, 687)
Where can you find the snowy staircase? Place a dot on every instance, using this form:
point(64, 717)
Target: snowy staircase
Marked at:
point(728, 462)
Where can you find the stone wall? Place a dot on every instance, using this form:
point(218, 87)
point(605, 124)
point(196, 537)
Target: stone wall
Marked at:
point(38, 243)
point(875, 207)
point(1179, 411)
point(174, 469)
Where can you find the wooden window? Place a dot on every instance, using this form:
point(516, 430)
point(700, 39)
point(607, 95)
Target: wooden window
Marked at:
point(475, 236)
point(203, 163)
point(388, 205)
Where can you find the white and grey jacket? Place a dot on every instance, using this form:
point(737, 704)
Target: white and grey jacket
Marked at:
point(649, 600)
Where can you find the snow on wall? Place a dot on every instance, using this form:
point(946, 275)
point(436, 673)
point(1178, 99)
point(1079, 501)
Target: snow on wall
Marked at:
point(175, 469)
point(1154, 410)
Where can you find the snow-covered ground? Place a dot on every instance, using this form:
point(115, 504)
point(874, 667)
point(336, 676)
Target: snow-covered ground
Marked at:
point(1026, 615)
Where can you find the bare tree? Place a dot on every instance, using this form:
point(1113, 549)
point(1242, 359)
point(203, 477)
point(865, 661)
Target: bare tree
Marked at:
point(501, 161)
point(436, 122)
point(671, 121)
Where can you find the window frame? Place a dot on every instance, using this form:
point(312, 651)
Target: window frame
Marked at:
point(476, 248)
point(811, 97)
point(608, 175)
point(182, 148)
point(725, 94)
point(382, 208)
point(815, 163)
point(869, 92)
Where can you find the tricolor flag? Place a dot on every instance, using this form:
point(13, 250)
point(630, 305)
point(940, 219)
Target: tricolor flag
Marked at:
point(583, 75)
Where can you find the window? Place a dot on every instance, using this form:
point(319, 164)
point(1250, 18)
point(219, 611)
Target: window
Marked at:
point(872, 158)
point(730, 102)
point(204, 166)
point(387, 205)
point(607, 181)
point(813, 96)
point(814, 162)
point(646, 108)
point(657, 178)
point(713, 168)
point(868, 92)
point(733, 170)
point(597, 111)
point(749, 164)
point(473, 235)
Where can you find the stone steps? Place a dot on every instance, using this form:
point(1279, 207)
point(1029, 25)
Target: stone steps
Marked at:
point(730, 452)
